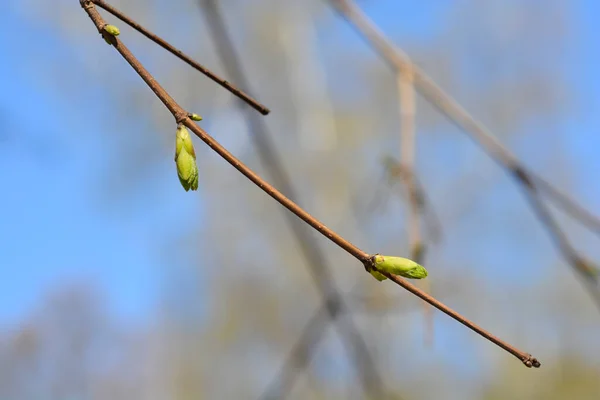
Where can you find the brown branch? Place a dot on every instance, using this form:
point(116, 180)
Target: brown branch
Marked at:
point(184, 57)
point(181, 116)
point(399, 61)
point(334, 304)
point(527, 359)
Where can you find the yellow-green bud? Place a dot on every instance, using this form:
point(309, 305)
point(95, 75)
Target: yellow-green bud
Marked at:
point(111, 29)
point(185, 159)
point(400, 266)
point(195, 117)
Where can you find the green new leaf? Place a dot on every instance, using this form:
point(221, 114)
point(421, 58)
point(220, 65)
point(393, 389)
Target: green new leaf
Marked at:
point(185, 159)
point(195, 117)
point(399, 266)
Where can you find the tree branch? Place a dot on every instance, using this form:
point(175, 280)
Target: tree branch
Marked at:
point(418, 248)
point(399, 61)
point(334, 304)
point(181, 116)
point(182, 56)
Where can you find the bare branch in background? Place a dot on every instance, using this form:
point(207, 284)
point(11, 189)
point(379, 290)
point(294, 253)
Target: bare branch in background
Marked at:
point(301, 354)
point(396, 171)
point(407, 160)
point(299, 357)
point(182, 56)
point(181, 116)
point(532, 183)
point(334, 303)
point(416, 244)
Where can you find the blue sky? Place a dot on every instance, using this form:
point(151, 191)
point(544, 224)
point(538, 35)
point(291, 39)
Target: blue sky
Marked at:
point(51, 228)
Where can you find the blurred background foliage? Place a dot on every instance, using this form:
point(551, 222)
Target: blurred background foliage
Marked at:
point(118, 284)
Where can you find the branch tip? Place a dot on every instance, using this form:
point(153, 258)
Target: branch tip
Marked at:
point(530, 361)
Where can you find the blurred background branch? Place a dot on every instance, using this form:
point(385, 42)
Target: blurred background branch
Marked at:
point(334, 303)
point(400, 62)
point(417, 246)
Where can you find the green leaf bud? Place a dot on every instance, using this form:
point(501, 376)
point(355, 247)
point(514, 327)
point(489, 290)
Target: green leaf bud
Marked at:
point(400, 266)
point(185, 159)
point(112, 30)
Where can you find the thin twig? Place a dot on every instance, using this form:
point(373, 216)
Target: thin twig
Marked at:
point(574, 210)
point(181, 116)
point(399, 61)
point(300, 355)
point(583, 269)
point(184, 57)
point(527, 359)
point(315, 258)
point(406, 99)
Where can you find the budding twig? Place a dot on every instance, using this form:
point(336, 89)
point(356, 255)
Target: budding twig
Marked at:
point(181, 116)
point(182, 56)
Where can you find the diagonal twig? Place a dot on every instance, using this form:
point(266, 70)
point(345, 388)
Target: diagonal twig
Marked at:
point(585, 271)
point(182, 56)
point(181, 116)
point(315, 258)
point(399, 61)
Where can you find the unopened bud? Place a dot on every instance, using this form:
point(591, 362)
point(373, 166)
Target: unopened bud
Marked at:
point(111, 29)
point(400, 266)
point(185, 159)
